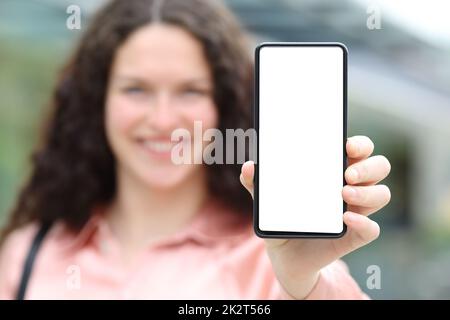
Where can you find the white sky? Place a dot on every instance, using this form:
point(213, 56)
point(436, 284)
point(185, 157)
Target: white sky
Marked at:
point(428, 19)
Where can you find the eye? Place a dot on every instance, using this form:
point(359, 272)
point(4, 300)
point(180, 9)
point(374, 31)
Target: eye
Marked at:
point(195, 92)
point(133, 90)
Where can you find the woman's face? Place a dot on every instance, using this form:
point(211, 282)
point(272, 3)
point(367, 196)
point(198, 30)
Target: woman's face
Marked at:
point(160, 81)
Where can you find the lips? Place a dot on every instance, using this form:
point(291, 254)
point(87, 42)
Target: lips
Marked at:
point(158, 146)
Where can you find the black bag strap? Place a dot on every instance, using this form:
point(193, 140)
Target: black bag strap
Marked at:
point(31, 257)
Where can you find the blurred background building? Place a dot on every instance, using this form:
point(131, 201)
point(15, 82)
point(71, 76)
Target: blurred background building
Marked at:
point(399, 95)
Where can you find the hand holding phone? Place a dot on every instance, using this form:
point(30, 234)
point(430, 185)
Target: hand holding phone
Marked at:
point(298, 263)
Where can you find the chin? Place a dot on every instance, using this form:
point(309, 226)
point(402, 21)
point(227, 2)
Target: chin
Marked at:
point(167, 178)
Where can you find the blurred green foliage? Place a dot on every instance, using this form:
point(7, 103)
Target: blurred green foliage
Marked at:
point(27, 75)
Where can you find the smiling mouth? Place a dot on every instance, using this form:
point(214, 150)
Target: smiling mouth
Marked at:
point(158, 146)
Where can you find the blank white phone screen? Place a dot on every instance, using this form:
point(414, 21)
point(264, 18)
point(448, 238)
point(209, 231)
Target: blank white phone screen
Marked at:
point(301, 123)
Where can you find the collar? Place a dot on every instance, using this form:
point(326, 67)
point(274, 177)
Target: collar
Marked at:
point(213, 224)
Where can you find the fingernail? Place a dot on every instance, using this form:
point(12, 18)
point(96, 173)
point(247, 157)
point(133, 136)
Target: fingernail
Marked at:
point(355, 145)
point(351, 192)
point(353, 175)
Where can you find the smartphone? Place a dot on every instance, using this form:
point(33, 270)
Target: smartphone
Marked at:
point(300, 115)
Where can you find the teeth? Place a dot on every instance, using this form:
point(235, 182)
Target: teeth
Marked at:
point(158, 146)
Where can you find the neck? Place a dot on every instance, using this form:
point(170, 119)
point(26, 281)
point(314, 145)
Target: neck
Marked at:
point(141, 214)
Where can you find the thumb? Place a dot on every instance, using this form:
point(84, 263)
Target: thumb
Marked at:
point(247, 173)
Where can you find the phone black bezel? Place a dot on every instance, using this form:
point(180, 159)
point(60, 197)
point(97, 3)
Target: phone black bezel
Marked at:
point(289, 234)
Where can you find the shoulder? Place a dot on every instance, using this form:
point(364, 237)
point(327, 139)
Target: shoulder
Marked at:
point(15, 248)
point(17, 243)
point(12, 257)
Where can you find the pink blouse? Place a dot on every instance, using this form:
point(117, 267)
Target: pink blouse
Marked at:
point(217, 256)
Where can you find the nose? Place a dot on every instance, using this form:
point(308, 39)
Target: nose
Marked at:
point(161, 115)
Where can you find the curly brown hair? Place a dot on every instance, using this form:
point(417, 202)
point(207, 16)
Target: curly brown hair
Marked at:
point(73, 169)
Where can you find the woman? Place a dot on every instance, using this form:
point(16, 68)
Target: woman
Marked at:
point(128, 223)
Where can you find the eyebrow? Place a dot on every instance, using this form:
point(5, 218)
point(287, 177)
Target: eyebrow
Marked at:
point(125, 78)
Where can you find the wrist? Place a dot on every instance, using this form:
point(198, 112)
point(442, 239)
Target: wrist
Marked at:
point(310, 284)
point(303, 290)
